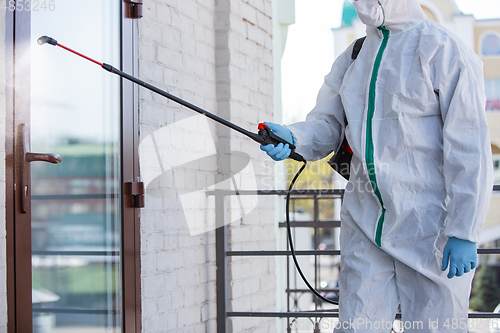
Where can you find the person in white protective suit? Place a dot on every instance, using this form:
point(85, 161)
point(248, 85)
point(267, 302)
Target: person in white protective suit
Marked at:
point(421, 173)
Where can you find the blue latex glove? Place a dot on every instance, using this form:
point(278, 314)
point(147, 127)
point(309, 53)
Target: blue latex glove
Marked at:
point(281, 151)
point(462, 255)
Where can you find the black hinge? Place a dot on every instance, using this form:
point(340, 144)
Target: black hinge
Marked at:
point(136, 190)
point(134, 9)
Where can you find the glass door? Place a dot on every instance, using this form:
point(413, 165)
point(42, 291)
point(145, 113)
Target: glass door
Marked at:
point(76, 207)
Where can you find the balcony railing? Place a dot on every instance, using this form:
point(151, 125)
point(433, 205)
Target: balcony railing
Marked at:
point(293, 294)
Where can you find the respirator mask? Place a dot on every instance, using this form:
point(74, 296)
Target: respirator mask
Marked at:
point(370, 12)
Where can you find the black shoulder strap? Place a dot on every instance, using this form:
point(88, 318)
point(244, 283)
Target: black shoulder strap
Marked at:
point(355, 51)
point(357, 47)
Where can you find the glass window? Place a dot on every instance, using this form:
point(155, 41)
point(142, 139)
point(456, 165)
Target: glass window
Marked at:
point(76, 205)
point(490, 45)
point(492, 90)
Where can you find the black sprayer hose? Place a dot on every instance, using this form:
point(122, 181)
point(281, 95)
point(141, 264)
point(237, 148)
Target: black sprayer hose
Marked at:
point(290, 241)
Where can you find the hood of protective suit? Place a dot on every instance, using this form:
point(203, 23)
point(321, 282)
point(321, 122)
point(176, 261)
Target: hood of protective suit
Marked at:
point(395, 15)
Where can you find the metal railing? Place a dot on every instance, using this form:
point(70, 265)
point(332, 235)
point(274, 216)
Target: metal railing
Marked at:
point(223, 254)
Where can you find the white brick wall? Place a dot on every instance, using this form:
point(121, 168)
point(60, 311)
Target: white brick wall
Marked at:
point(252, 280)
point(3, 282)
point(217, 55)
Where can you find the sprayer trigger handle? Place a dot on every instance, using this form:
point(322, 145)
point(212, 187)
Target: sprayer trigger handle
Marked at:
point(268, 137)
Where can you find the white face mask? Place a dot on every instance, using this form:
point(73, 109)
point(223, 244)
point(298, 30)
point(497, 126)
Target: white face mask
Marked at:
point(370, 12)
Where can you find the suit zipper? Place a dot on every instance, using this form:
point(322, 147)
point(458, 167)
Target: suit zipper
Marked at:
point(369, 134)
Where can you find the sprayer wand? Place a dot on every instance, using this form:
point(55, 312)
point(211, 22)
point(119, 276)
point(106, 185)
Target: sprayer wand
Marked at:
point(265, 136)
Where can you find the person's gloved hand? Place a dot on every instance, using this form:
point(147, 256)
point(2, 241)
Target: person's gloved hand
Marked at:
point(462, 255)
point(281, 151)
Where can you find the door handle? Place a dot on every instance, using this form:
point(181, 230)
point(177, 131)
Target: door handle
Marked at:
point(27, 157)
point(37, 157)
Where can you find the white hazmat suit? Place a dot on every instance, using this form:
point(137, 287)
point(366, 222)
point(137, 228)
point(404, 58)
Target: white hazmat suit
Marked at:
point(421, 170)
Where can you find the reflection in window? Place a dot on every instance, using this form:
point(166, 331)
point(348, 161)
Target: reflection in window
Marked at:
point(492, 90)
point(491, 45)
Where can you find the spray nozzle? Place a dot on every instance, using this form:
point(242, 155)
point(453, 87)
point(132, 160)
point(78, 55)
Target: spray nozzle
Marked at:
point(46, 39)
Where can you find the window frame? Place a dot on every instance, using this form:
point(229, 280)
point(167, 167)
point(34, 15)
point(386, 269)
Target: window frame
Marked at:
point(18, 226)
